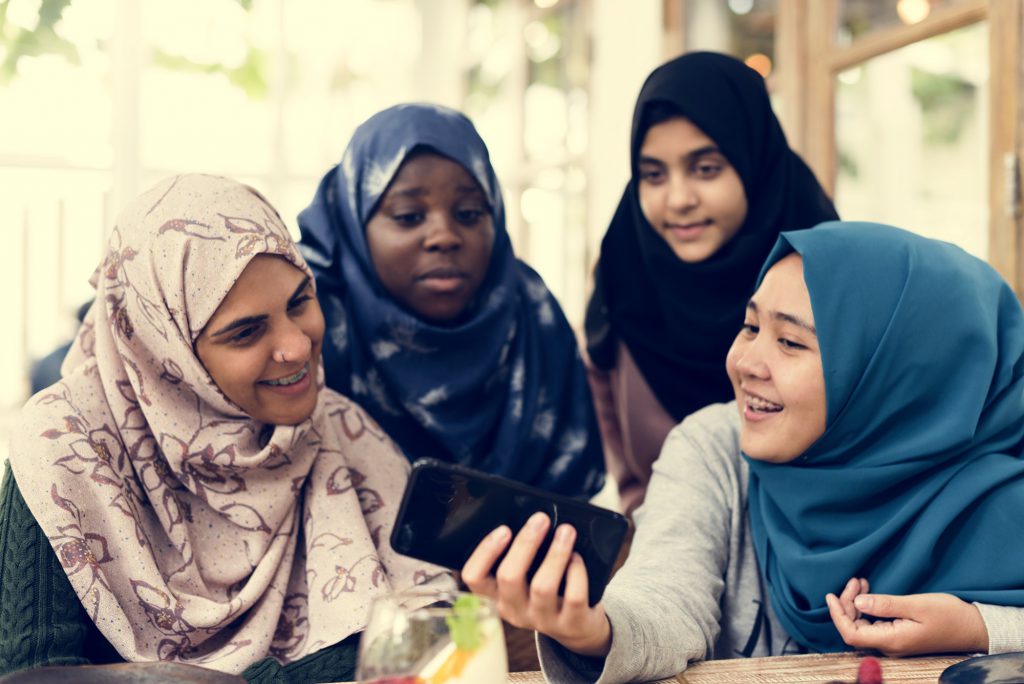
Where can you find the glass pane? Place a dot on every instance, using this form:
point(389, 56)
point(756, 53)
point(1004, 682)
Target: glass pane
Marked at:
point(912, 139)
point(858, 17)
point(52, 62)
point(743, 28)
point(340, 70)
point(205, 92)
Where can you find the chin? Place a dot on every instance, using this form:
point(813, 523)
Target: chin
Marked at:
point(761, 452)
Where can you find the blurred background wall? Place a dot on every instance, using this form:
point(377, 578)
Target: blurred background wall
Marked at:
point(99, 99)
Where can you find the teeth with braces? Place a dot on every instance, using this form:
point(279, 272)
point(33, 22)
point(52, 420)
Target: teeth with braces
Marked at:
point(290, 380)
point(759, 404)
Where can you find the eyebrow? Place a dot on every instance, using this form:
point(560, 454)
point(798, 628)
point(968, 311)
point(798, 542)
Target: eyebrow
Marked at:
point(300, 288)
point(786, 318)
point(689, 156)
point(251, 320)
point(420, 191)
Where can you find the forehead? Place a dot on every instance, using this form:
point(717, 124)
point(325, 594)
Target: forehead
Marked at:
point(267, 279)
point(431, 171)
point(675, 136)
point(784, 290)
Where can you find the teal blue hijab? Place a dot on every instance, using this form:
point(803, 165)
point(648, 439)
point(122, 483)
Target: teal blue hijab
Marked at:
point(917, 483)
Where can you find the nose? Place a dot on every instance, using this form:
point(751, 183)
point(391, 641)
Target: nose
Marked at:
point(751, 362)
point(442, 235)
point(682, 194)
point(293, 345)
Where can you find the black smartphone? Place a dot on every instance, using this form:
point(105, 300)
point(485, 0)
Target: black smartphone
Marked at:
point(448, 509)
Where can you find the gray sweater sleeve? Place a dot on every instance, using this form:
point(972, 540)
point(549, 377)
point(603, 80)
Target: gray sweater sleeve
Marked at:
point(664, 604)
point(1005, 625)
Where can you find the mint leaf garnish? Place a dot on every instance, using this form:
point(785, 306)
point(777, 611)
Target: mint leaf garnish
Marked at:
point(462, 623)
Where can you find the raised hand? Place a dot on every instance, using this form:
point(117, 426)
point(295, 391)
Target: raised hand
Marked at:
point(536, 605)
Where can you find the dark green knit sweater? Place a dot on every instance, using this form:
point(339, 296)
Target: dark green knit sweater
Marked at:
point(42, 622)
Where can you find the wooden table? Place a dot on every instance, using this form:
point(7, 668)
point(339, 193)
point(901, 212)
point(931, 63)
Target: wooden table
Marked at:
point(815, 668)
point(795, 670)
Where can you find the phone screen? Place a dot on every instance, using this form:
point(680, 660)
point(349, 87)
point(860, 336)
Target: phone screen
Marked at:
point(447, 510)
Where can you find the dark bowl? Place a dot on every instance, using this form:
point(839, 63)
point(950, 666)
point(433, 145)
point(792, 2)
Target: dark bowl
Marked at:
point(1003, 668)
point(122, 673)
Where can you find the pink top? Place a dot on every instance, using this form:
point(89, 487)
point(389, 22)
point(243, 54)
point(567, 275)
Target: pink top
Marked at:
point(633, 425)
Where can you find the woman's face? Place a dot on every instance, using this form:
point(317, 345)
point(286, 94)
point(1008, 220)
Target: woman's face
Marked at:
point(775, 368)
point(262, 345)
point(689, 192)
point(431, 237)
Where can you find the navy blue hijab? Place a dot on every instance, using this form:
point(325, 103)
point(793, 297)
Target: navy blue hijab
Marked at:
point(504, 389)
point(917, 483)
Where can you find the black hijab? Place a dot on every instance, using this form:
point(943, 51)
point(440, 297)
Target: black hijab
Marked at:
point(678, 319)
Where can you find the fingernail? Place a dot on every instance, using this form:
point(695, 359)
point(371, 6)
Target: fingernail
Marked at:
point(500, 534)
point(564, 535)
point(863, 602)
point(537, 522)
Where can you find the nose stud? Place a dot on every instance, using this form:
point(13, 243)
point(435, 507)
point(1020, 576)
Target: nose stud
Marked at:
point(279, 356)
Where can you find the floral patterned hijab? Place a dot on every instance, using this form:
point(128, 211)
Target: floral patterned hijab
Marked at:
point(189, 531)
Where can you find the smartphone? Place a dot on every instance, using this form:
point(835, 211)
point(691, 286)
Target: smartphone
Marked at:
point(448, 509)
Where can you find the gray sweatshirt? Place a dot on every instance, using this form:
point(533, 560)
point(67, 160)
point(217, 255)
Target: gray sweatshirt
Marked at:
point(691, 589)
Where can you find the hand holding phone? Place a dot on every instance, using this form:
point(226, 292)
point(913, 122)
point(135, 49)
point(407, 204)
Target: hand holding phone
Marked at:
point(447, 510)
point(535, 604)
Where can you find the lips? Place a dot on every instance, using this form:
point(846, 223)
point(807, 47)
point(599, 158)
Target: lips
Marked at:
point(443, 272)
point(688, 231)
point(444, 279)
point(288, 379)
point(760, 404)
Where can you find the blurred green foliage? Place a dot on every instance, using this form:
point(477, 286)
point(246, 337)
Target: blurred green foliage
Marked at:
point(43, 39)
point(18, 42)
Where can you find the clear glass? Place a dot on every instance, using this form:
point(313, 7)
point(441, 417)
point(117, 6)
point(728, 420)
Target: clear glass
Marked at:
point(912, 138)
point(860, 17)
point(423, 637)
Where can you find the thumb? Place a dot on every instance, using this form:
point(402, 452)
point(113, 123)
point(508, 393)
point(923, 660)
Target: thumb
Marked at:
point(884, 605)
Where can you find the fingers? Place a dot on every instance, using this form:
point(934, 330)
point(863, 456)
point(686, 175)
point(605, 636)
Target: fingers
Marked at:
point(887, 606)
point(544, 603)
point(846, 598)
point(513, 594)
point(840, 618)
point(476, 573)
point(577, 589)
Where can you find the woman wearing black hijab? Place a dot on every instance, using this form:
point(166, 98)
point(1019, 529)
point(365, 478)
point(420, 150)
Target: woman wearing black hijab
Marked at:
point(713, 183)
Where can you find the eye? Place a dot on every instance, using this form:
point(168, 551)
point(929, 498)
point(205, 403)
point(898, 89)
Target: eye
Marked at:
point(790, 344)
point(750, 329)
point(708, 170)
point(651, 175)
point(297, 303)
point(409, 219)
point(247, 335)
point(469, 217)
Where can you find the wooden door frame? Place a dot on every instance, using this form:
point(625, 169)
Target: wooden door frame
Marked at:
point(807, 61)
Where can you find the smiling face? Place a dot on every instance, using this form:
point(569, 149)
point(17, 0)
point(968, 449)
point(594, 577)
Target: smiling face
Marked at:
point(775, 368)
point(689, 192)
point(431, 237)
point(262, 344)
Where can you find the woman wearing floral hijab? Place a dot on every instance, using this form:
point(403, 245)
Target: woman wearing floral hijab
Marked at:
point(187, 492)
point(456, 347)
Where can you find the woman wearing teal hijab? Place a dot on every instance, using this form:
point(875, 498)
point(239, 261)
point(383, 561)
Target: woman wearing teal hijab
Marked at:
point(917, 482)
point(870, 467)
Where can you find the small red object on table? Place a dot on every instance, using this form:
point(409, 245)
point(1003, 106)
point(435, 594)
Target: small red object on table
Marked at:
point(870, 671)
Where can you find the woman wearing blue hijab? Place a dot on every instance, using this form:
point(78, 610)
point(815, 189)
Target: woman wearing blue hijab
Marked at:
point(870, 467)
point(456, 347)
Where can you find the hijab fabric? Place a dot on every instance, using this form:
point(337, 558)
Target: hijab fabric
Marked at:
point(503, 389)
point(189, 531)
point(678, 319)
point(917, 483)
